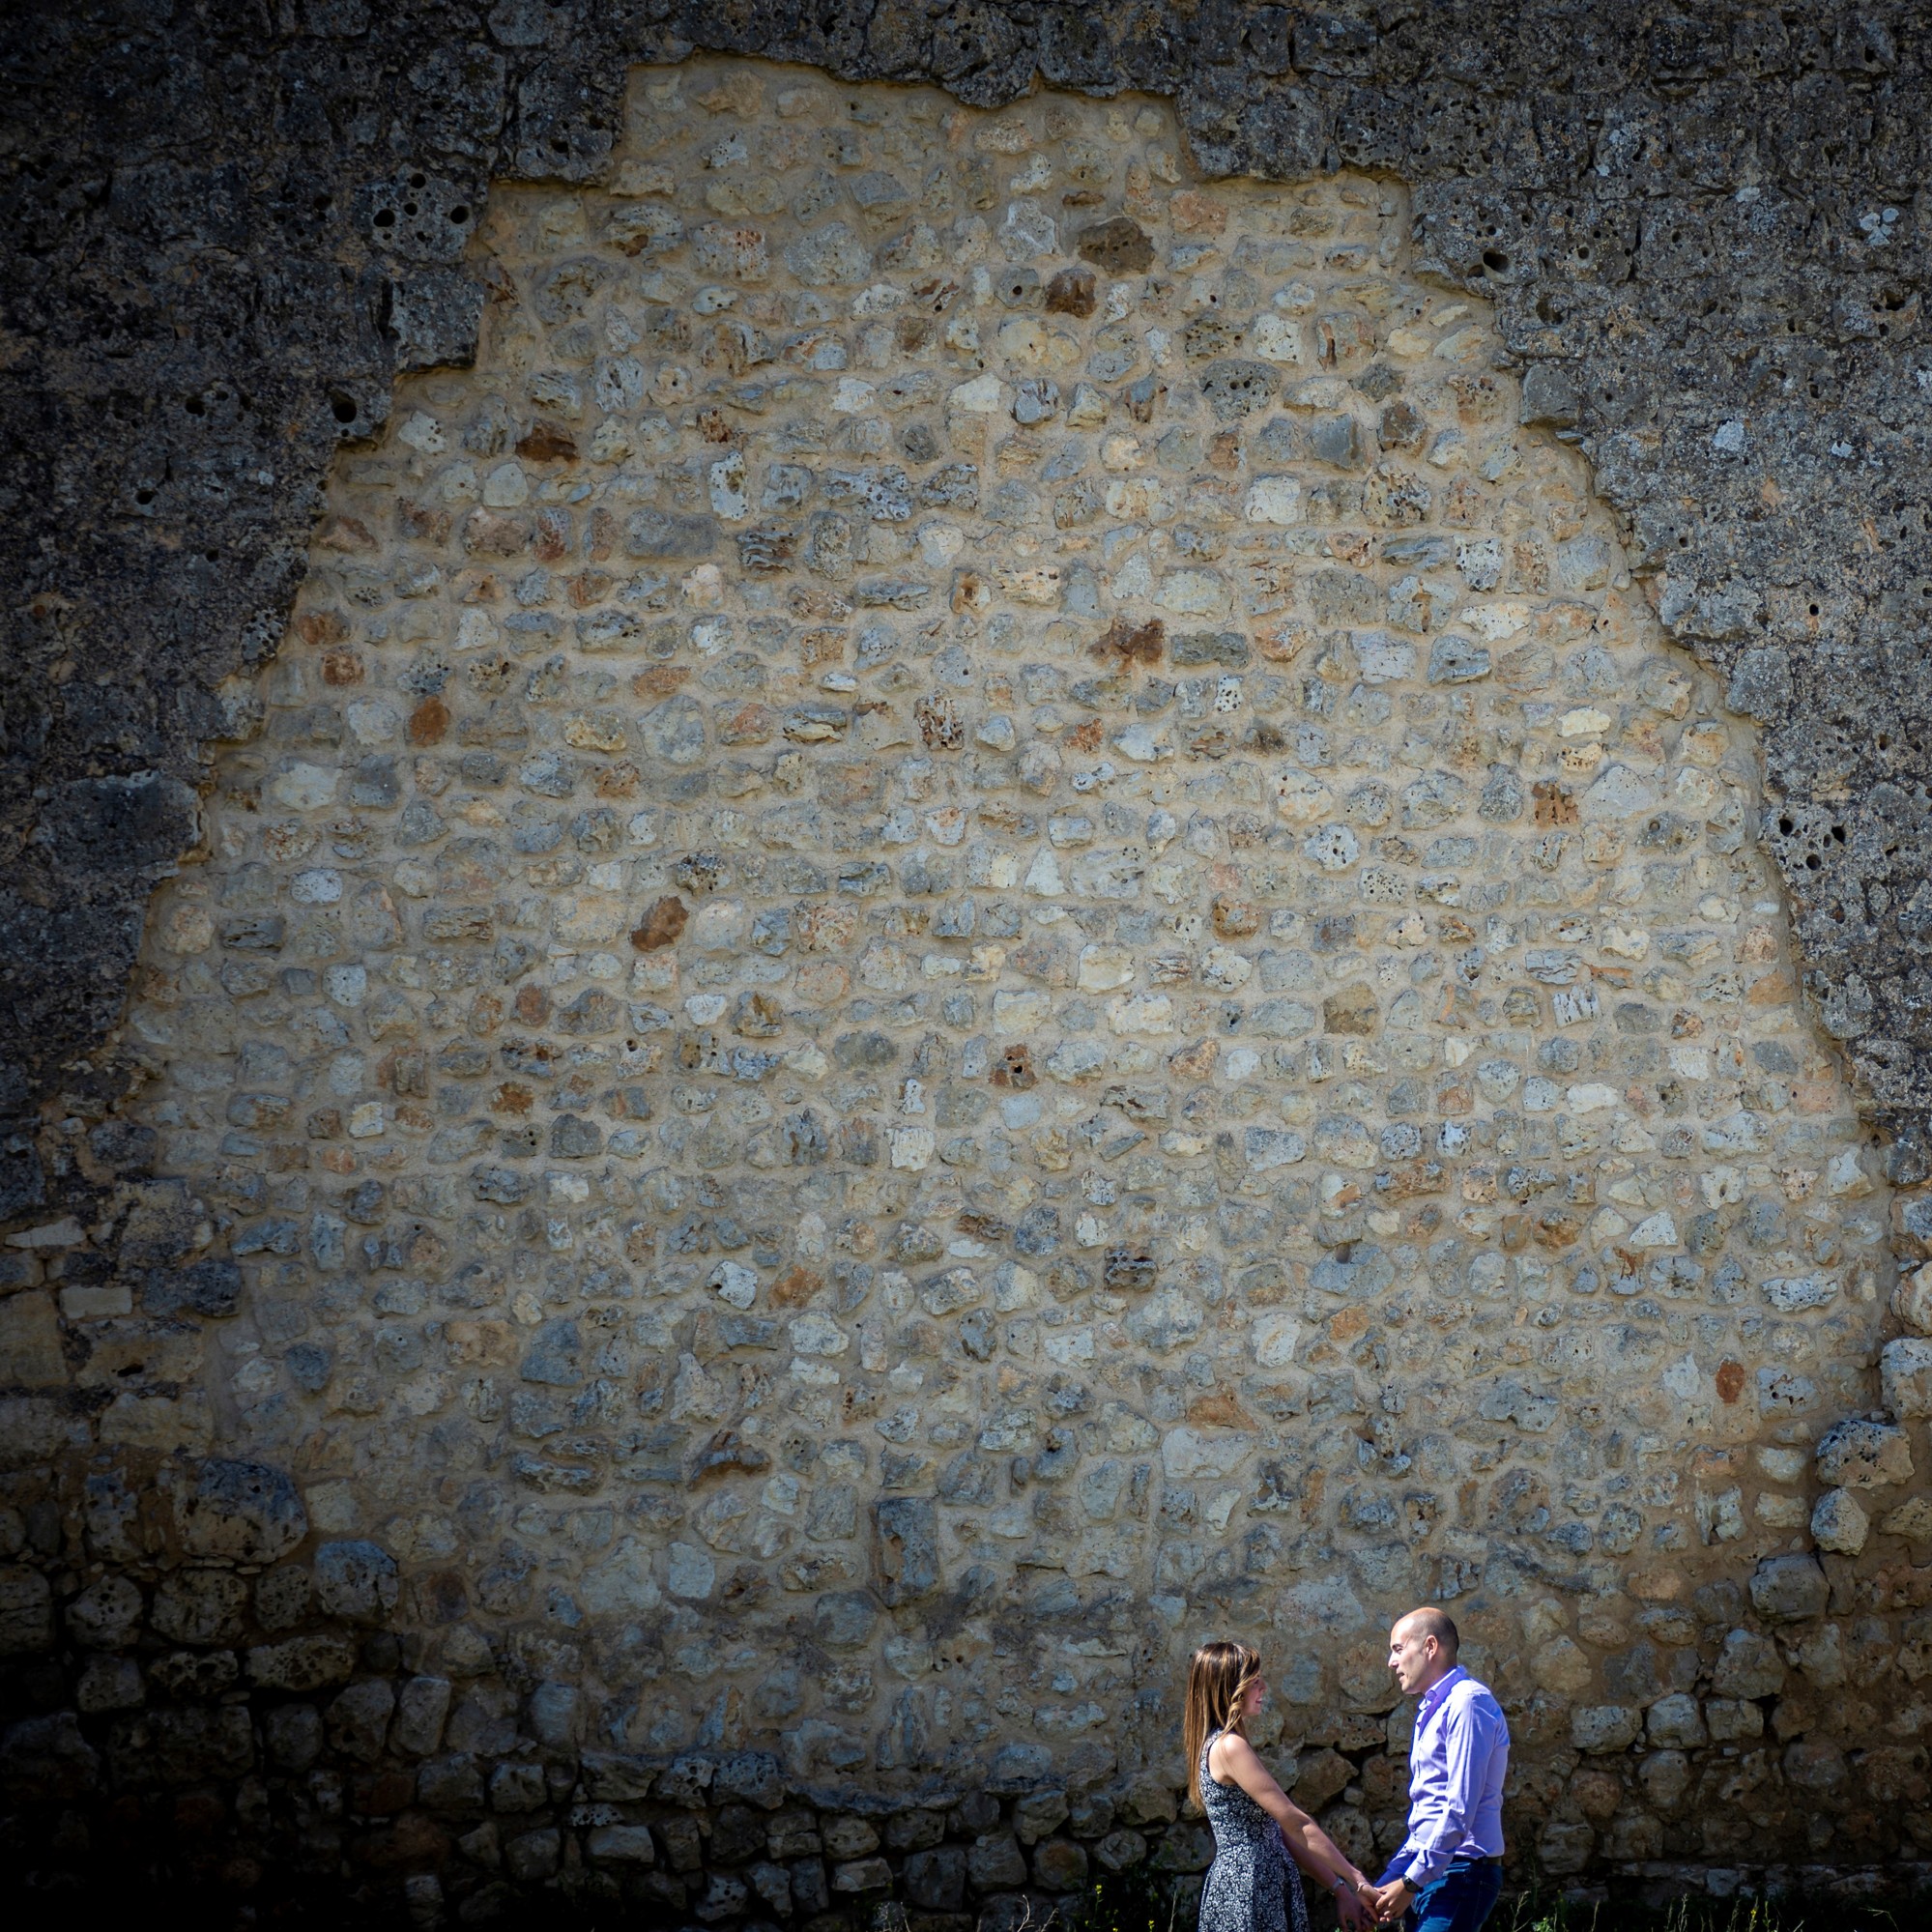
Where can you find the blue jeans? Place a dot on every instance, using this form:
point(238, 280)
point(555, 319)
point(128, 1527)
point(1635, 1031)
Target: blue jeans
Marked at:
point(1459, 1900)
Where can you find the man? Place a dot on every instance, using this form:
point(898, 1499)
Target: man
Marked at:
point(1450, 1869)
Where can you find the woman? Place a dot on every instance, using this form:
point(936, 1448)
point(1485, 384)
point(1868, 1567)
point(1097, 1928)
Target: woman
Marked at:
point(1250, 1887)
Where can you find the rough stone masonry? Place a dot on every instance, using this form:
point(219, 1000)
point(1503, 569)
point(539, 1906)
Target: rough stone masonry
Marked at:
point(973, 922)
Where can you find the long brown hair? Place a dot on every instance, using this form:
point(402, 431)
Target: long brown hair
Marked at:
point(1218, 1680)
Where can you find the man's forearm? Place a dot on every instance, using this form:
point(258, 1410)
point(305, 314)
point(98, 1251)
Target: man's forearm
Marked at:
point(1436, 1844)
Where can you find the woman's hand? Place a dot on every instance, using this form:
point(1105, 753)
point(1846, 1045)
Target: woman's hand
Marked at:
point(1355, 1916)
point(1355, 1898)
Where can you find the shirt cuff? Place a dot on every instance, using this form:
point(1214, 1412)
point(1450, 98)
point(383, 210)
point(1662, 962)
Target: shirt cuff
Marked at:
point(1417, 1875)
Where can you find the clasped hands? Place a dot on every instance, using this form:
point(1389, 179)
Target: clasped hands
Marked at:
point(1373, 1905)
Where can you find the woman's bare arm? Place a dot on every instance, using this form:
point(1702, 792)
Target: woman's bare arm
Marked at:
point(1234, 1758)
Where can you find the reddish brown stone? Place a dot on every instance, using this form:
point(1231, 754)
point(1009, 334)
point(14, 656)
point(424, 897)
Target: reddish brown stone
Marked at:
point(1554, 806)
point(1132, 644)
point(1218, 1408)
point(545, 442)
point(425, 523)
point(322, 628)
point(199, 1815)
point(1353, 1010)
point(809, 601)
point(1556, 1228)
point(1235, 918)
point(1120, 246)
point(750, 724)
point(1195, 214)
point(1417, 1177)
point(552, 542)
point(1196, 1061)
point(796, 1287)
point(490, 534)
point(411, 1843)
point(1071, 292)
point(429, 722)
point(345, 532)
point(381, 1793)
point(1016, 1069)
point(661, 926)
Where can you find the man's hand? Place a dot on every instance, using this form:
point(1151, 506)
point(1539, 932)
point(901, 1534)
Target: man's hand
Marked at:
point(1392, 1901)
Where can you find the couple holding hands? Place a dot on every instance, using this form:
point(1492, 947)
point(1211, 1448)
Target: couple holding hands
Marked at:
point(1450, 1868)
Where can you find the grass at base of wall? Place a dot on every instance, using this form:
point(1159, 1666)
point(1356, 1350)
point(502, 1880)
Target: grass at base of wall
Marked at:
point(1143, 1902)
point(1530, 1913)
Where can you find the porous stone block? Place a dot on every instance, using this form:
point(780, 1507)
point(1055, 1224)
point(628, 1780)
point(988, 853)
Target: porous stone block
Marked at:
point(1789, 1588)
point(1864, 1454)
point(620, 1845)
point(1748, 1666)
point(107, 1615)
point(994, 1864)
point(1605, 1727)
point(936, 1879)
point(533, 1856)
point(1839, 1524)
point(1676, 1722)
point(357, 1721)
point(1905, 1372)
point(26, 1610)
point(1059, 1864)
point(301, 1663)
point(1912, 1299)
point(244, 1512)
point(48, 1757)
point(423, 1708)
point(30, 1350)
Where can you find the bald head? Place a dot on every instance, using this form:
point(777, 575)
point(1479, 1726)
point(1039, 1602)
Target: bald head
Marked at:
point(1421, 1649)
point(1430, 1622)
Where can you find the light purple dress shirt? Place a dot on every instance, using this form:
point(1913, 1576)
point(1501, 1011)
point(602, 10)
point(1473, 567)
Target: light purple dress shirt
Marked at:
point(1457, 1762)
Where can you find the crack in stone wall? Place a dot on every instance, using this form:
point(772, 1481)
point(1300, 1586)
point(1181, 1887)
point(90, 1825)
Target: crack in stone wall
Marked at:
point(974, 920)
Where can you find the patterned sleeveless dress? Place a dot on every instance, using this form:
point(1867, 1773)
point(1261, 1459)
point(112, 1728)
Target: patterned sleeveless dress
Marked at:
point(1252, 1885)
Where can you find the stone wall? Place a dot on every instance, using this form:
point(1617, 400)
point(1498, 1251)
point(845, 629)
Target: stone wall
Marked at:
point(974, 927)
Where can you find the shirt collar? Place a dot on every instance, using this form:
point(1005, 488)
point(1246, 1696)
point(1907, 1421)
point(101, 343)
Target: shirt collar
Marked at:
point(1431, 1700)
